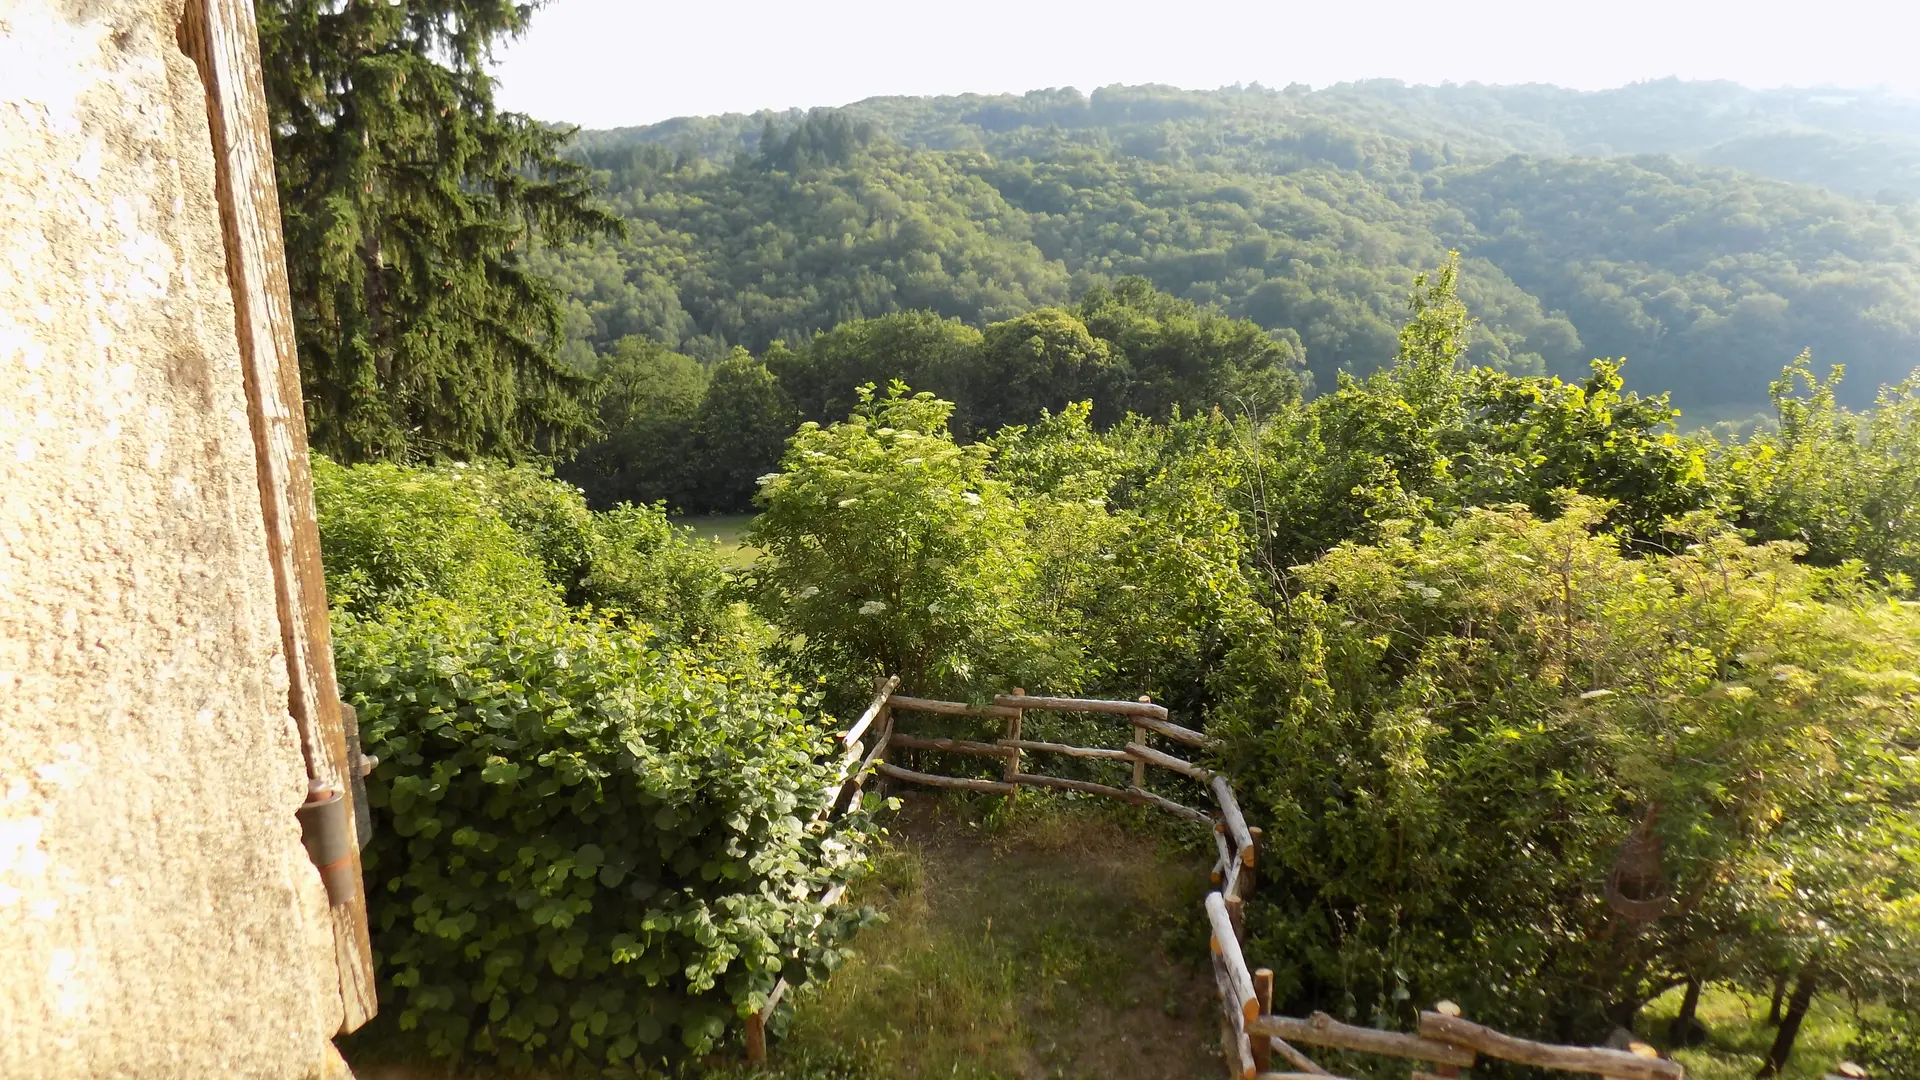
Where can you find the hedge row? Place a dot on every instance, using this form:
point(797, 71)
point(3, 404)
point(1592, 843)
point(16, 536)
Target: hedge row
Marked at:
point(594, 848)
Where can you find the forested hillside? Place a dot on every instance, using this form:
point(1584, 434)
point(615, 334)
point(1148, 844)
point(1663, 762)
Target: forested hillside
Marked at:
point(1856, 142)
point(1305, 212)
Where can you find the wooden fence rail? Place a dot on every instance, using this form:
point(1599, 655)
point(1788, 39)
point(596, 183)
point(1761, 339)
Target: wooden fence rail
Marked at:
point(1144, 716)
point(857, 762)
point(1252, 1036)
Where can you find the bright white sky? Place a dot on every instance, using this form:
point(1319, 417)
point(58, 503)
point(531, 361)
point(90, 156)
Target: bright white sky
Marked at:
point(609, 63)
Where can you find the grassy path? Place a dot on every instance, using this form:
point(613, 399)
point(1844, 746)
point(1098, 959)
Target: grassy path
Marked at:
point(1038, 943)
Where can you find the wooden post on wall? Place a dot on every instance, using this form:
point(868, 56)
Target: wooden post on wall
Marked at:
point(223, 41)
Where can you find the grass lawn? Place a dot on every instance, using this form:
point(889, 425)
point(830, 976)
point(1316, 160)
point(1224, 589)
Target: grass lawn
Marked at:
point(726, 531)
point(1046, 941)
point(1738, 1034)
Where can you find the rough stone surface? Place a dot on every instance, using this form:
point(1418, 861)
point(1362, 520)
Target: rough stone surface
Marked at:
point(158, 917)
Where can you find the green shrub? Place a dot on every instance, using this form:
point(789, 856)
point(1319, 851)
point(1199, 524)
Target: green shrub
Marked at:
point(487, 536)
point(590, 847)
point(1844, 484)
point(1427, 438)
point(548, 517)
point(888, 549)
point(391, 535)
point(593, 851)
point(1888, 1044)
point(1449, 733)
point(646, 567)
point(1140, 552)
point(630, 560)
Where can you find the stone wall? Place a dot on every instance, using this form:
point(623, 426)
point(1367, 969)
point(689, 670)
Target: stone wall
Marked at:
point(158, 916)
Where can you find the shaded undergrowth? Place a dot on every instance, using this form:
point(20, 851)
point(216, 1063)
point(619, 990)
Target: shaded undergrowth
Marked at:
point(1737, 1035)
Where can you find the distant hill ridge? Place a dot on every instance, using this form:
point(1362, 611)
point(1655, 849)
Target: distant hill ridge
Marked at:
point(1703, 230)
point(1856, 142)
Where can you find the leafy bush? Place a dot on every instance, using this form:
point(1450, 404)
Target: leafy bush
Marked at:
point(890, 550)
point(1426, 438)
point(1140, 550)
point(591, 847)
point(647, 568)
point(594, 851)
point(391, 536)
point(1845, 485)
point(1449, 733)
point(549, 518)
point(488, 536)
point(1888, 1045)
point(1531, 440)
point(629, 560)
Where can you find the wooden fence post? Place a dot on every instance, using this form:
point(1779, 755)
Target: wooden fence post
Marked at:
point(1229, 1048)
point(1013, 733)
point(881, 782)
point(884, 722)
point(1442, 1070)
point(1248, 872)
point(1140, 738)
point(756, 1036)
point(884, 744)
point(1236, 823)
point(1263, 993)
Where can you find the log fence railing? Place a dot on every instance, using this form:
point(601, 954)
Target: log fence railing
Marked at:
point(1012, 747)
point(1257, 1043)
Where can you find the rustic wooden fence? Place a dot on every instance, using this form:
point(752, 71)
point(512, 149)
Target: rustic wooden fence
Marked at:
point(856, 765)
point(1146, 718)
point(1252, 1036)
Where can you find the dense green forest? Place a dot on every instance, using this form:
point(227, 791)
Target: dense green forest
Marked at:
point(698, 438)
point(1304, 212)
point(1857, 142)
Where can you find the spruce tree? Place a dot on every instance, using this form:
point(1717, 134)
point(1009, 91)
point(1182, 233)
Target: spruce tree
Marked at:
point(408, 202)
